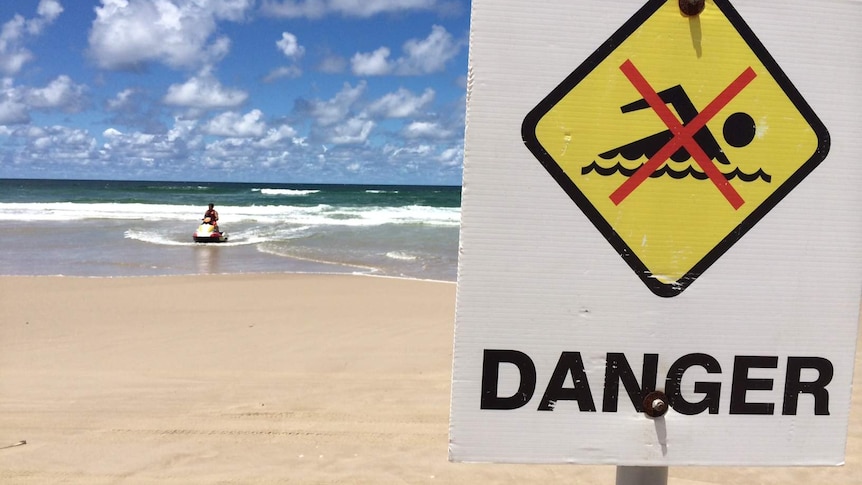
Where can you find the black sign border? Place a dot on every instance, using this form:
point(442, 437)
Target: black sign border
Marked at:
point(528, 133)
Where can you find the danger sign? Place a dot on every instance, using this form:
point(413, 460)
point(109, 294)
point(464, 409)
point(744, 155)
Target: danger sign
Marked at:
point(673, 157)
point(661, 250)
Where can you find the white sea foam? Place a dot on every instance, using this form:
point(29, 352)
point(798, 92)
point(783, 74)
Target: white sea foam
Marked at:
point(290, 192)
point(153, 237)
point(401, 256)
point(268, 214)
point(249, 236)
point(71, 211)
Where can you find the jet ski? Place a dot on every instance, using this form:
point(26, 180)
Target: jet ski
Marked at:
point(207, 233)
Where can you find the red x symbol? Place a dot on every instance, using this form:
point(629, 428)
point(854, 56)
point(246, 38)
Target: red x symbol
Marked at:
point(682, 135)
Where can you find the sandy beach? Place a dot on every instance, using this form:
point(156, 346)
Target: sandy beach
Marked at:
point(313, 379)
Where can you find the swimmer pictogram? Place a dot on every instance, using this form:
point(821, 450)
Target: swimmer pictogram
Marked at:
point(738, 131)
point(674, 143)
point(683, 136)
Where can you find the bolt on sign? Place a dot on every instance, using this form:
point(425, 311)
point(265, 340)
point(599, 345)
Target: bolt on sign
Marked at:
point(715, 155)
point(680, 154)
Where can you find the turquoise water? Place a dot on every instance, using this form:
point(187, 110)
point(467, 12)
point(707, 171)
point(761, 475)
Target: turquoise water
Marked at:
point(133, 228)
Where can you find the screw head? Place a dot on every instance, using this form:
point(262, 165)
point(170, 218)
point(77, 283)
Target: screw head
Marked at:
point(690, 8)
point(656, 404)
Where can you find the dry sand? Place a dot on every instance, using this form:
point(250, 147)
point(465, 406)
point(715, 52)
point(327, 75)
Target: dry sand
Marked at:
point(258, 379)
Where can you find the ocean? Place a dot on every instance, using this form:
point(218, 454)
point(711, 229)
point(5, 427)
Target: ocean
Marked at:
point(137, 228)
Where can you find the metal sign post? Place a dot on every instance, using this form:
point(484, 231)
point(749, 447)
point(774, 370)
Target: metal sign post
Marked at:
point(642, 475)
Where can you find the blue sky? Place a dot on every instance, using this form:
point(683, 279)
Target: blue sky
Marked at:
point(317, 91)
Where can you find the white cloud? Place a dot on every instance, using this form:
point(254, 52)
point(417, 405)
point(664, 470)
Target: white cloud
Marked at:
point(335, 110)
point(216, 51)
point(248, 143)
point(291, 72)
point(62, 143)
point(112, 133)
point(332, 64)
point(402, 151)
point(13, 54)
point(233, 124)
point(352, 8)
point(426, 130)
point(353, 131)
point(13, 112)
point(274, 136)
point(289, 46)
point(61, 93)
point(452, 157)
point(151, 149)
point(204, 92)
point(401, 104)
point(273, 150)
point(127, 34)
point(373, 63)
point(233, 10)
point(226, 151)
point(122, 100)
point(135, 108)
point(182, 129)
point(421, 56)
point(49, 10)
point(33, 131)
point(430, 54)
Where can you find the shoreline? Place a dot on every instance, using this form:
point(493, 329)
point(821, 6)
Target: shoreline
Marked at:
point(264, 378)
point(230, 274)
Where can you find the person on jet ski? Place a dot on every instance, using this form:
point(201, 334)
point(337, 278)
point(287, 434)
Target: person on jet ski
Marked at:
point(211, 217)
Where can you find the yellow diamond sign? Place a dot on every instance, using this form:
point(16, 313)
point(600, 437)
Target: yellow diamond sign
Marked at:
point(675, 137)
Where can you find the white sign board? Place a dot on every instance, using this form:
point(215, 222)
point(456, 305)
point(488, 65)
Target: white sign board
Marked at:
point(659, 209)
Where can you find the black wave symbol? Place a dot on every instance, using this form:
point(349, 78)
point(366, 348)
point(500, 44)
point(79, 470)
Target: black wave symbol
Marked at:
point(689, 171)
